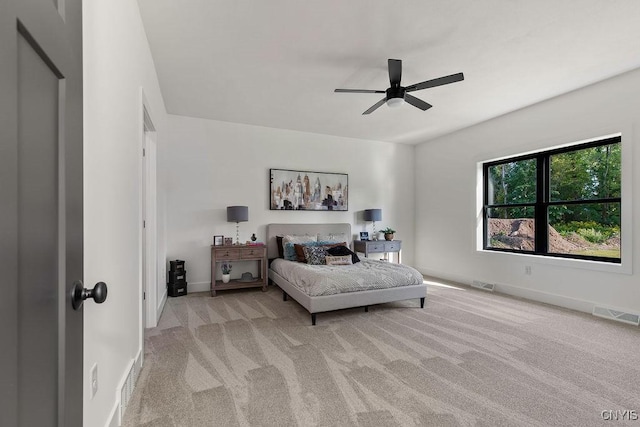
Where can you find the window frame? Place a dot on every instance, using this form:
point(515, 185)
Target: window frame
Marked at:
point(543, 200)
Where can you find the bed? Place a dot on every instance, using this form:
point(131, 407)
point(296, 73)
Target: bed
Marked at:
point(354, 296)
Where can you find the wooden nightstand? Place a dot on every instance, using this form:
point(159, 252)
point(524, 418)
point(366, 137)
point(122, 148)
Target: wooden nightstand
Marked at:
point(238, 253)
point(378, 246)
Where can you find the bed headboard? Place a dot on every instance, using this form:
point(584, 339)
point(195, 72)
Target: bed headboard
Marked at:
point(274, 230)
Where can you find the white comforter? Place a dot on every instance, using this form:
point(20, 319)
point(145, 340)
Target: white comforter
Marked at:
point(316, 280)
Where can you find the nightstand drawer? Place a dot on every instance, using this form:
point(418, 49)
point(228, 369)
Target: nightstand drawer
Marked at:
point(224, 254)
point(257, 252)
point(392, 246)
point(375, 247)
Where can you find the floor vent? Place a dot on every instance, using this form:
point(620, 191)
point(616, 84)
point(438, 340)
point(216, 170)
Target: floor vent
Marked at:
point(482, 285)
point(620, 316)
point(126, 389)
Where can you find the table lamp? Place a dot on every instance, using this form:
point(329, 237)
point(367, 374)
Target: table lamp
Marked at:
point(373, 215)
point(237, 214)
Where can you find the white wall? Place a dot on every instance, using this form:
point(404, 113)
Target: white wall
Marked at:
point(117, 64)
point(447, 214)
point(212, 165)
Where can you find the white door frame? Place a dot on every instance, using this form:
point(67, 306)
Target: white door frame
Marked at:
point(148, 223)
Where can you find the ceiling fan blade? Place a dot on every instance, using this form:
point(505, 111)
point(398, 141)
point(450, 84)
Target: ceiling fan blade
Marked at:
point(417, 102)
point(436, 82)
point(375, 106)
point(358, 91)
point(395, 71)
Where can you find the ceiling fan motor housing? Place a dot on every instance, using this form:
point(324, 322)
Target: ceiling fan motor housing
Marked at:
point(395, 92)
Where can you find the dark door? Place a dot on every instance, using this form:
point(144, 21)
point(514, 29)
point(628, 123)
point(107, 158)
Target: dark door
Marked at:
point(40, 212)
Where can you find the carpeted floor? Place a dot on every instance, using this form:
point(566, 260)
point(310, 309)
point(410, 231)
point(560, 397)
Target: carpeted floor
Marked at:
point(247, 358)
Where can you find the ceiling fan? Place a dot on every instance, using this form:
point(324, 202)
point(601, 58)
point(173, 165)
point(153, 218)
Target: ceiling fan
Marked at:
point(396, 95)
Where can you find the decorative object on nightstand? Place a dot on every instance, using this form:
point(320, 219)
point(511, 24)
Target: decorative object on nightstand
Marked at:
point(237, 214)
point(253, 237)
point(388, 233)
point(379, 247)
point(226, 272)
point(247, 277)
point(227, 254)
point(373, 215)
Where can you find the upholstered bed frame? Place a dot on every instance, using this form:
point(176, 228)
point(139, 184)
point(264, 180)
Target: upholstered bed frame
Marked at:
point(319, 304)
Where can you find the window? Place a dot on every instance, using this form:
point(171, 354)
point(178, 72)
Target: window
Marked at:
point(562, 203)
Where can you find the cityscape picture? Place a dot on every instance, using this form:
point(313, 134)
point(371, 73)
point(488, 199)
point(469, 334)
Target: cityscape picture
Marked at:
point(309, 191)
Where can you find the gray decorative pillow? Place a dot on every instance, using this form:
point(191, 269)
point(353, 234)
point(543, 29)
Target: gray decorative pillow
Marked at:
point(315, 255)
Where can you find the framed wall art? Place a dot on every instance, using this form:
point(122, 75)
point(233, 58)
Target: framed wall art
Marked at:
point(293, 190)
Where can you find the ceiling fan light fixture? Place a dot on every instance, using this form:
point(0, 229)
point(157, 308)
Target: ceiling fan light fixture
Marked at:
point(395, 102)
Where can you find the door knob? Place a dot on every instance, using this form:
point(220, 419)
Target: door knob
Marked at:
point(79, 293)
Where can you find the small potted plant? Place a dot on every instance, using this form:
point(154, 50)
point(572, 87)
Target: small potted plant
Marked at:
point(388, 233)
point(226, 272)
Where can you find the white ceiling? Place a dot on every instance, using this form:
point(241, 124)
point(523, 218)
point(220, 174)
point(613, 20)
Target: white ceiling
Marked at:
point(276, 63)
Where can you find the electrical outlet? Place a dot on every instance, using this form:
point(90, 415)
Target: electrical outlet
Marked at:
point(93, 380)
point(527, 270)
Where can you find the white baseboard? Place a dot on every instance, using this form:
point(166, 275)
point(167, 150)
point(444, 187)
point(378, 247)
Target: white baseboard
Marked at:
point(547, 298)
point(530, 294)
point(198, 286)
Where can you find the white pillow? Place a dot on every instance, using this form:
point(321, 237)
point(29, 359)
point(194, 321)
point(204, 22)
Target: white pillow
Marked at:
point(334, 238)
point(299, 238)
